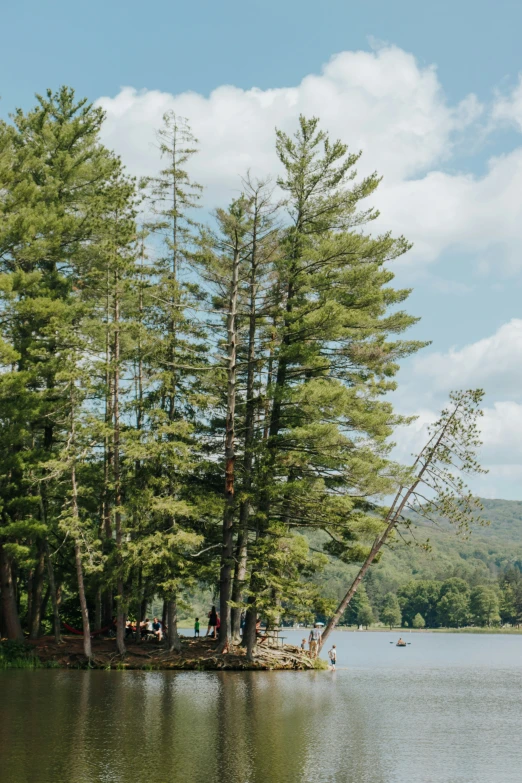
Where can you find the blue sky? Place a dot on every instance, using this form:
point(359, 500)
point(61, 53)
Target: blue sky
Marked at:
point(432, 95)
point(101, 46)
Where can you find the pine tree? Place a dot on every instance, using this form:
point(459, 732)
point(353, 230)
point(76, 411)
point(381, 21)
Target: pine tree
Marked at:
point(326, 451)
point(53, 173)
point(173, 399)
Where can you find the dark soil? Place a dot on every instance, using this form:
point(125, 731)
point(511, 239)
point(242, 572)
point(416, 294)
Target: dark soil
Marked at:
point(196, 654)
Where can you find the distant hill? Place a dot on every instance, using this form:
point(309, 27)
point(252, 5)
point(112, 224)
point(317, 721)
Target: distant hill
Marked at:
point(506, 521)
point(479, 558)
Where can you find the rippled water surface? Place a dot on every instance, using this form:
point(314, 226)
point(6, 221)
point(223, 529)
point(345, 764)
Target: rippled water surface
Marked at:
point(447, 709)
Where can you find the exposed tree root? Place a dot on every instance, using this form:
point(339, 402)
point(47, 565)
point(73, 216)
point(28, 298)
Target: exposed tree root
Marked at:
point(196, 654)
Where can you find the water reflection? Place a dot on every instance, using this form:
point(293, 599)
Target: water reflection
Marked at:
point(445, 725)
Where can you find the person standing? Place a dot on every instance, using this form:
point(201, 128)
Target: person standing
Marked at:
point(212, 622)
point(157, 629)
point(196, 628)
point(314, 639)
point(332, 654)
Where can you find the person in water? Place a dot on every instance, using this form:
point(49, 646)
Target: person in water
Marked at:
point(332, 654)
point(196, 627)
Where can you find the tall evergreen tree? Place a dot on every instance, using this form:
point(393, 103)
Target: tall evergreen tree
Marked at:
point(54, 173)
point(327, 423)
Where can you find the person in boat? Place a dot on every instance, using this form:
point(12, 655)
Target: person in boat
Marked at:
point(401, 643)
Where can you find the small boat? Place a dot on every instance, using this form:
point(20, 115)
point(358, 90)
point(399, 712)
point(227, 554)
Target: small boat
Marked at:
point(401, 644)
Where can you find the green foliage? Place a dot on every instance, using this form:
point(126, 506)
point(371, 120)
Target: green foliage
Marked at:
point(511, 596)
point(365, 614)
point(420, 597)
point(390, 613)
point(17, 655)
point(418, 621)
point(453, 608)
point(114, 390)
point(484, 606)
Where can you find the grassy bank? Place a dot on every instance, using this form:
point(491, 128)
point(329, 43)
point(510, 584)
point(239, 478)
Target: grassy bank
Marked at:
point(475, 630)
point(19, 655)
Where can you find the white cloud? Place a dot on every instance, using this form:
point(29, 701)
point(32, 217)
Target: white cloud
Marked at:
point(500, 453)
point(508, 108)
point(494, 363)
point(411, 438)
point(381, 102)
point(501, 429)
point(395, 110)
point(480, 216)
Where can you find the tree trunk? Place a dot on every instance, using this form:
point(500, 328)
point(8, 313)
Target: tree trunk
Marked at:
point(29, 612)
point(143, 611)
point(239, 575)
point(248, 459)
point(87, 649)
point(11, 618)
point(164, 614)
point(107, 595)
point(37, 591)
point(225, 580)
point(98, 610)
point(120, 627)
point(45, 603)
point(54, 595)
point(77, 552)
point(173, 640)
point(250, 633)
point(392, 518)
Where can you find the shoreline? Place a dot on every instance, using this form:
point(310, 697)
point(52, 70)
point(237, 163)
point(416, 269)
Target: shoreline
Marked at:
point(195, 655)
point(469, 630)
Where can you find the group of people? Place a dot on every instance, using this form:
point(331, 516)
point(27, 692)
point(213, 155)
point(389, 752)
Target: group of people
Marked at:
point(214, 624)
point(313, 645)
point(313, 639)
point(155, 628)
point(147, 628)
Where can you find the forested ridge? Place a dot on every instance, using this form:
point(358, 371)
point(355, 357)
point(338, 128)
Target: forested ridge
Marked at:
point(188, 401)
point(490, 557)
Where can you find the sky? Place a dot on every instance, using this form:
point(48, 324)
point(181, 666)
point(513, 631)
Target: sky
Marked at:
point(430, 92)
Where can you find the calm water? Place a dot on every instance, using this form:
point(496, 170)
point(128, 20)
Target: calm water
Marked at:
point(447, 709)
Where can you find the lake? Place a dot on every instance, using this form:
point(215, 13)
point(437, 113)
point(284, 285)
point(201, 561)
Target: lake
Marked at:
point(446, 709)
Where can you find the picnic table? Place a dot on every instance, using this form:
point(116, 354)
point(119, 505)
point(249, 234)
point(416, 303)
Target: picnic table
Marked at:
point(272, 635)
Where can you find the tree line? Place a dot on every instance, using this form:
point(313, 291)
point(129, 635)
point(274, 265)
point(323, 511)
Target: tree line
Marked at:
point(181, 398)
point(448, 603)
